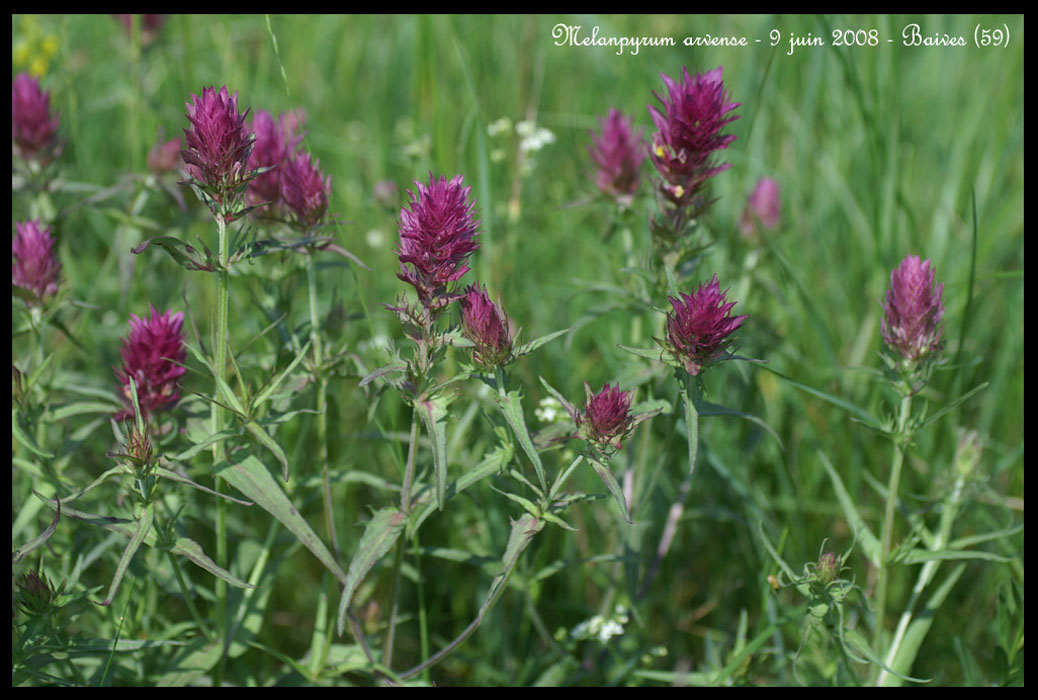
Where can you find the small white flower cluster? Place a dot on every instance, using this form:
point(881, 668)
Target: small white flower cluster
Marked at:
point(533, 138)
point(602, 628)
point(548, 410)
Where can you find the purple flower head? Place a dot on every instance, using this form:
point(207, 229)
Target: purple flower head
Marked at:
point(911, 324)
point(437, 235)
point(163, 157)
point(618, 151)
point(36, 267)
point(689, 131)
point(699, 326)
point(218, 143)
point(304, 191)
point(606, 419)
point(33, 129)
point(150, 356)
point(485, 324)
point(272, 148)
point(764, 205)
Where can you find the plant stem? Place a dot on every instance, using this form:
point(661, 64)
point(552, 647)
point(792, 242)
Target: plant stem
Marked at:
point(387, 652)
point(219, 454)
point(322, 406)
point(900, 445)
point(188, 598)
point(926, 575)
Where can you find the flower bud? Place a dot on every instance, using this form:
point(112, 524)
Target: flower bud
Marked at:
point(606, 420)
point(33, 129)
point(699, 326)
point(36, 268)
point(151, 354)
point(911, 325)
point(618, 151)
point(485, 324)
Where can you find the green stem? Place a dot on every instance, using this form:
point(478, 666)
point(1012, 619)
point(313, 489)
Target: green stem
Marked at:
point(926, 575)
point(900, 445)
point(188, 598)
point(387, 652)
point(322, 404)
point(219, 453)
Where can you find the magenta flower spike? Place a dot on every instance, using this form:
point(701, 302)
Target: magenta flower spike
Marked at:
point(607, 419)
point(437, 236)
point(150, 356)
point(304, 191)
point(764, 205)
point(689, 132)
point(618, 151)
point(218, 144)
point(699, 326)
point(913, 310)
point(36, 268)
point(484, 323)
point(273, 146)
point(33, 130)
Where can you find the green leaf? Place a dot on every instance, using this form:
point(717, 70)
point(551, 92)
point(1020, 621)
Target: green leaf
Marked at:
point(527, 348)
point(35, 542)
point(869, 542)
point(248, 474)
point(523, 531)
point(491, 464)
point(143, 528)
point(394, 367)
point(270, 443)
point(194, 660)
point(181, 479)
point(22, 437)
point(185, 255)
point(79, 408)
point(919, 556)
point(208, 441)
point(655, 354)
point(433, 413)
point(606, 475)
point(512, 409)
point(859, 644)
point(863, 415)
point(712, 409)
point(192, 551)
point(954, 404)
point(269, 390)
point(379, 537)
point(917, 630)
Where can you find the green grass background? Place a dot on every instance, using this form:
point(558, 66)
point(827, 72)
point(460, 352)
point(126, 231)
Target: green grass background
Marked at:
point(879, 153)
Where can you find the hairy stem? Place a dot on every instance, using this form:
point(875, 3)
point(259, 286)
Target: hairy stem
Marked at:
point(219, 453)
point(322, 405)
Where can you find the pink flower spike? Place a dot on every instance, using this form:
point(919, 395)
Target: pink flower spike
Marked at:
point(618, 151)
point(273, 146)
point(151, 354)
point(218, 144)
point(36, 267)
point(606, 417)
point(437, 236)
point(33, 130)
point(699, 326)
point(695, 112)
point(304, 191)
point(485, 324)
point(163, 157)
point(913, 310)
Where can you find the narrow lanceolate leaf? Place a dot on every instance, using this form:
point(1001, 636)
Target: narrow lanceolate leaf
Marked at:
point(181, 479)
point(491, 464)
point(39, 540)
point(246, 473)
point(433, 413)
point(606, 475)
point(869, 542)
point(185, 255)
point(23, 437)
point(143, 528)
point(208, 441)
point(128, 528)
point(193, 552)
point(523, 531)
point(527, 348)
point(647, 353)
point(270, 443)
point(379, 537)
point(394, 367)
point(713, 409)
point(269, 390)
point(512, 409)
point(860, 413)
point(906, 654)
point(919, 556)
